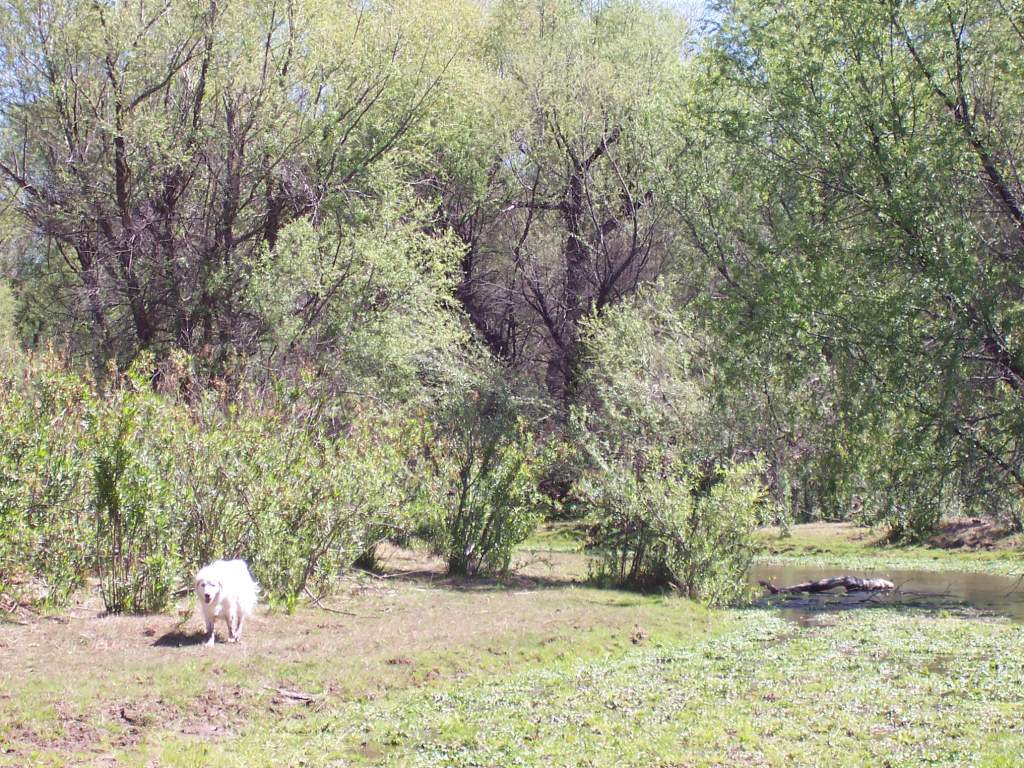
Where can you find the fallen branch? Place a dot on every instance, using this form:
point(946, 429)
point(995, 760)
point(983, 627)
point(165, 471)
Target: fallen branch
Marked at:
point(305, 698)
point(316, 601)
point(400, 574)
point(849, 583)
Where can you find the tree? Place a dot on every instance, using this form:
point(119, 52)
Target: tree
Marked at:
point(862, 213)
point(158, 149)
point(561, 213)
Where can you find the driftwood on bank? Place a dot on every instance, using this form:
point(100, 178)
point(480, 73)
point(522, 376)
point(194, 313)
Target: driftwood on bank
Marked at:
point(849, 583)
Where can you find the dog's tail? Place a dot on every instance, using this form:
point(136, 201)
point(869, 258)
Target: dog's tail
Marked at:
point(249, 598)
point(248, 604)
point(248, 601)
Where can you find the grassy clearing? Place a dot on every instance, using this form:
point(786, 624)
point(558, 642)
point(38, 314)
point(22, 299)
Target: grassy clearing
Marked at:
point(417, 670)
point(739, 688)
point(841, 545)
point(559, 536)
point(837, 545)
point(874, 689)
point(88, 690)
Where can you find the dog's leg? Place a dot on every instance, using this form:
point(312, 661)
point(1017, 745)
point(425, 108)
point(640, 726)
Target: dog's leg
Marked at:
point(210, 631)
point(238, 628)
point(233, 624)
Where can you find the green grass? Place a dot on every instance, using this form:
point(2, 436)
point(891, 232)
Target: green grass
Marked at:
point(558, 674)
point(843, 546)
point(559, 536)
point(877, 687)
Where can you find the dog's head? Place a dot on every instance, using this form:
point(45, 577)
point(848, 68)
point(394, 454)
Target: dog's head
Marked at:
point(207, 589)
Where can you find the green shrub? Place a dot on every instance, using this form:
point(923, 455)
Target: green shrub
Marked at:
point(46, 523)
point(213, 483)
point(484, 498)
point(669, 503)
point(319, 504)
point(300, 505)
point(137, 546)
point(666, 525)
point(141, 486)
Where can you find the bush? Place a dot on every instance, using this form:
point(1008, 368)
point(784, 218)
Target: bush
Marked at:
point(485, 486)
point(670, 504)
point(46, 523)
point(320, 503)
point(141, 485)
point(259, 481)
point(137, 552)
point(666, 525)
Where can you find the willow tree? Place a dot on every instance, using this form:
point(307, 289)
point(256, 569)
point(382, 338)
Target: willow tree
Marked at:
point(156, 150)
point(861, 205)
point(560, 201)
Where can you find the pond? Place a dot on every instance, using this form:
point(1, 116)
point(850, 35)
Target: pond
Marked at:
point(986, 593)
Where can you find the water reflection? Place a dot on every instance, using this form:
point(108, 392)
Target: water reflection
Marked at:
point(932, 589)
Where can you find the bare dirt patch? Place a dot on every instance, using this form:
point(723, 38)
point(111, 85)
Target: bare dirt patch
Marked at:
point(73, 730)
point(974, 533)
point(115, 679)
point(216, 713)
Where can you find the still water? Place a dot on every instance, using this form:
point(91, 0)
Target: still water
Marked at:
point(999, 595)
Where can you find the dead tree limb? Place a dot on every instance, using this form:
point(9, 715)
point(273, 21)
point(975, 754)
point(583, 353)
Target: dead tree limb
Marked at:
point(849, 583)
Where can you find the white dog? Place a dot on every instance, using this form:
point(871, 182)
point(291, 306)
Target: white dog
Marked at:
point(225, 588)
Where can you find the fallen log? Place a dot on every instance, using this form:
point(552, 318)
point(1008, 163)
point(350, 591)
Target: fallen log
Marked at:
point(849, 583)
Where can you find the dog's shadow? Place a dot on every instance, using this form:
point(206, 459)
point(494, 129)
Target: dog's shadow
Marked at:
point(179, 638)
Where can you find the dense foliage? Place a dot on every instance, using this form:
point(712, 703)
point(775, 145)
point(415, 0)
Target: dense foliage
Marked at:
point(668, 504)
point(858, 193)
point(324, 273)
point(142, 486)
